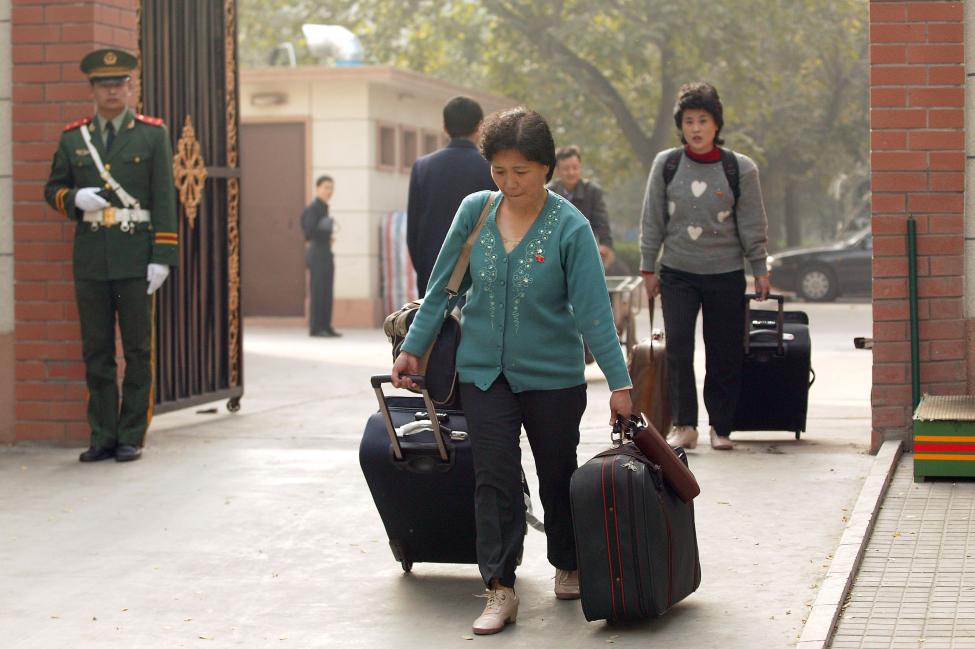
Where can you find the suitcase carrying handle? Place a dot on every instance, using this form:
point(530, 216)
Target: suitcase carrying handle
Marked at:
point(779, 321)
point(377, 385)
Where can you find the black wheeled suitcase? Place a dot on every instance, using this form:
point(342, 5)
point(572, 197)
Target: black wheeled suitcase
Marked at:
point(777, 371)
point(417, 462)
point(636, 542)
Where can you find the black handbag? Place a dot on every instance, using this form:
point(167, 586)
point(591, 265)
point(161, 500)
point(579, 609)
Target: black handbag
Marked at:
point(439, 364)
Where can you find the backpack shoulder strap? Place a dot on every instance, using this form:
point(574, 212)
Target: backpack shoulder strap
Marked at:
point(671, 163)
point(729, 161)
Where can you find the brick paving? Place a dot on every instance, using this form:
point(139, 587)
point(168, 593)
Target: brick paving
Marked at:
point(916, 585)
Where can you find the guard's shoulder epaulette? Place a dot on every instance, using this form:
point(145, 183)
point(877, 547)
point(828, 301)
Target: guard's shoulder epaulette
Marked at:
point(78, 122)
point(148, 119)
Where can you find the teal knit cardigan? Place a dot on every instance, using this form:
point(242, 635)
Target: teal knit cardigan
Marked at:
point(527, 311)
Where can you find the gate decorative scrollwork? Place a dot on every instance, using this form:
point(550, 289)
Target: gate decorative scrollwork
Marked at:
point(189, 171)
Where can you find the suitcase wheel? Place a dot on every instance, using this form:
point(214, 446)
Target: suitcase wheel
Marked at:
point(798, 434)
point(407, 565)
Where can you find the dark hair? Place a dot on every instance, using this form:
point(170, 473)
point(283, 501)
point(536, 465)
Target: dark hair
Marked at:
point(323, 179)
point(702, 96)
point(461, 115)
point(524, 131)
point(564, 152)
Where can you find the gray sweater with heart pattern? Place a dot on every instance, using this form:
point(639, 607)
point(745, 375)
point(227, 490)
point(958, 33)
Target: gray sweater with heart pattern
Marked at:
point(701, 235)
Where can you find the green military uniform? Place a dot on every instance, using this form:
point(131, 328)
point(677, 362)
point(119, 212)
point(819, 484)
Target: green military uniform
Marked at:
point(111, 254)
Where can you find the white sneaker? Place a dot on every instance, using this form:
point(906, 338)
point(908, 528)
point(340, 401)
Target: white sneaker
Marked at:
point(683, 436)
point(501, 609)
point(567, 584)
point(720, 442)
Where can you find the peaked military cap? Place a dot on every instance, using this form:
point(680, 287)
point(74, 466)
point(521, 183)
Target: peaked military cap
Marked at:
point(108, 63)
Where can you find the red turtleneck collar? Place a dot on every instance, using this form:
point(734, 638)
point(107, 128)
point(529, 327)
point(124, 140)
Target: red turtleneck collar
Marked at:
point(714, 155)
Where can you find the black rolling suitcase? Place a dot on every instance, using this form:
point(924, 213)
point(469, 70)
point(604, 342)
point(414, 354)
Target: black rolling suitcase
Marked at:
point(776, 373)
point(636, 541)
point(417, 462)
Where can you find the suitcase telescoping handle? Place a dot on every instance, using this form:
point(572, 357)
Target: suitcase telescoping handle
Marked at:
point(377, 385)
point(779, 321)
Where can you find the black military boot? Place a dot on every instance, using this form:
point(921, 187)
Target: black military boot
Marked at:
point(127, 453)
point(95, 454)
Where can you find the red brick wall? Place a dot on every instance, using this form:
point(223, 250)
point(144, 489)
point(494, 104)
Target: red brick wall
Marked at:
point(49, 38)
point(917, 135)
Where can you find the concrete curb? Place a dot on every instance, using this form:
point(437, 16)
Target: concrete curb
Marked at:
point(819, 626)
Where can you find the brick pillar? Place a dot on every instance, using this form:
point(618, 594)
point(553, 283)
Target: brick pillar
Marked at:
point(6, 237)
point(49, 39)
point(917, 135)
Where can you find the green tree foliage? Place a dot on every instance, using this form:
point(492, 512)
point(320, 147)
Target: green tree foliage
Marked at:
point(792, 75)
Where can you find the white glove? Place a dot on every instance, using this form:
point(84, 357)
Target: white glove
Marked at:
point(87, 199)
point(156, 275)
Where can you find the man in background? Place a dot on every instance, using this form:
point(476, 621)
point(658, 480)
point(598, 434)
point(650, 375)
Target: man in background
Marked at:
point(439, 182)
point(586, 195)
point(319, 227)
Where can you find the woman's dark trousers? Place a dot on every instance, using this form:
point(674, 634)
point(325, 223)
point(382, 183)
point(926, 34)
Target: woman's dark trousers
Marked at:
point(494, 420)
point(720, 299)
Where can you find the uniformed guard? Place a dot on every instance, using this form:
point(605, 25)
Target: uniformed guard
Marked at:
point(113, 175)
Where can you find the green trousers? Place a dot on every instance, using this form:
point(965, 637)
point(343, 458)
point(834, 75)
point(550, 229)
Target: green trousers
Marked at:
point(99, 304)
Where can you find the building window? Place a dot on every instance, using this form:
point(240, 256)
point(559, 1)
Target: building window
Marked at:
point(431, 142)
point(386, 147)
point(408, 149)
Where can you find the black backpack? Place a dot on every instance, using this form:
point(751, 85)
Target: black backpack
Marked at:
point(729, 161)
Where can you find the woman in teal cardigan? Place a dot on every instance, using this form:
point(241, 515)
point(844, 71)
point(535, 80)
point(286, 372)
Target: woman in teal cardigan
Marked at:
point(535, 290)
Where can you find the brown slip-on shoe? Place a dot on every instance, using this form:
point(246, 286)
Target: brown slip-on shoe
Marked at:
point(683, 436)
point(720, 442)
point(501, 609)
point(567, 584)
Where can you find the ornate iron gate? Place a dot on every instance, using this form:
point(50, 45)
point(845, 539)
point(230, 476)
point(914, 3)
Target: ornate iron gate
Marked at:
point(189, 78)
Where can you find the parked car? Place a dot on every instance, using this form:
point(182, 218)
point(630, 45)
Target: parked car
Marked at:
point(823, 273)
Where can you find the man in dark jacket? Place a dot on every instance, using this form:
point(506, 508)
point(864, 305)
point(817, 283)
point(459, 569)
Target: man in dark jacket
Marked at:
point(586, 195)
point(440, 181)
point(318, 227)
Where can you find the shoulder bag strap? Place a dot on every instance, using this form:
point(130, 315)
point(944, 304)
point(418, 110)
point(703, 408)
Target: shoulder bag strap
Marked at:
point(464, 260)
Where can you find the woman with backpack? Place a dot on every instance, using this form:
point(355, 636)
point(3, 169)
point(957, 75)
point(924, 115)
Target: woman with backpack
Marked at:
point(703, 216)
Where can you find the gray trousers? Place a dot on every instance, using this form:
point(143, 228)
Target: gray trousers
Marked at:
point(494, 420)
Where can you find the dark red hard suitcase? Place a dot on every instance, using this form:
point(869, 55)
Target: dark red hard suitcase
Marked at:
point(636, 542)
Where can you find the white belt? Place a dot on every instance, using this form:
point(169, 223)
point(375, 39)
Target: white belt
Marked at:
point(121, 216)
